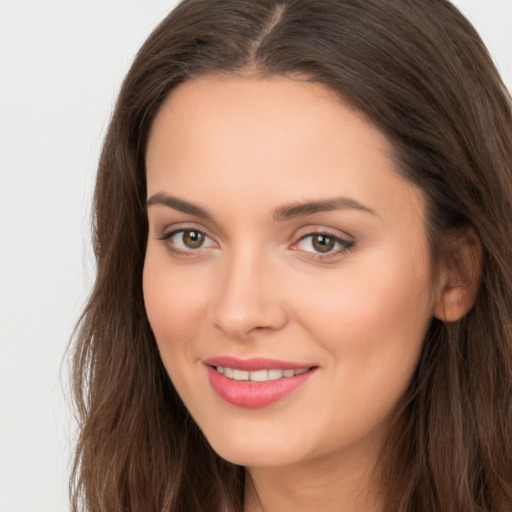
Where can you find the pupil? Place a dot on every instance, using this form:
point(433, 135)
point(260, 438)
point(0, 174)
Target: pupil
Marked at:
point(193, 239)
point(323, 243)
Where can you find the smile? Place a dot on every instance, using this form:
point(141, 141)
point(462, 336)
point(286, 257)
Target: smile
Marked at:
point(258, 382)
point(259, 375)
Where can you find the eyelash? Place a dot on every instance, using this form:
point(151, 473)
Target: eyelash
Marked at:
point(343, 245)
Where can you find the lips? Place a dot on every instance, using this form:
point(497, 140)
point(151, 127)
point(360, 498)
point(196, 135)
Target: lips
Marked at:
point(255, 382)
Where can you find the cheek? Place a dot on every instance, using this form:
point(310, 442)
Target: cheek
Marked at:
point(174, 306)
point(387, 295)
point(370, 312)
point(372, 326)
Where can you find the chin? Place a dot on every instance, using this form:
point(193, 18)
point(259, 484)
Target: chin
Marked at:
point(261, 448)
point(254, 456)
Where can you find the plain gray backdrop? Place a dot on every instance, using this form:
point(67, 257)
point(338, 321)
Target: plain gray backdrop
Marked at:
point(61, 65)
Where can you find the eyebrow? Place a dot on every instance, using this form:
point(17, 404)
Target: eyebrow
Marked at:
point(324, 205)
point(178, 204)
point(282, 213)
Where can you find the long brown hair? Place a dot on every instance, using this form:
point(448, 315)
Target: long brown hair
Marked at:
point(419, 71)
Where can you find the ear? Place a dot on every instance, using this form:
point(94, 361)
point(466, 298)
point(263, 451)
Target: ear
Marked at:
point(460, 276)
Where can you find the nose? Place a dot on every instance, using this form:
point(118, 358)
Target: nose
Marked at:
point(248, 301)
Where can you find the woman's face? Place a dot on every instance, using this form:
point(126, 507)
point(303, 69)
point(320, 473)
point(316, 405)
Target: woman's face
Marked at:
point(287, 278)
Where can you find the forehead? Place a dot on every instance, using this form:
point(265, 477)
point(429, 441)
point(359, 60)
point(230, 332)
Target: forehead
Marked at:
point(280, 138)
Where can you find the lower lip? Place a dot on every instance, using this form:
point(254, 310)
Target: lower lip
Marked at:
point(246, 393)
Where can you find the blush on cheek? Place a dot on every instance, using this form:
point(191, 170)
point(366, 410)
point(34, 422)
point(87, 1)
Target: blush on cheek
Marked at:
point(175, 310)
point(369, 311)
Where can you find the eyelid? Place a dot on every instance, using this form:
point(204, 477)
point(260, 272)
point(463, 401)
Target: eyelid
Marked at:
point(176, 227)
point(322, 230)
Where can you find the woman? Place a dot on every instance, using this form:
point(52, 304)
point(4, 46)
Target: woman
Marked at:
point(302, 216)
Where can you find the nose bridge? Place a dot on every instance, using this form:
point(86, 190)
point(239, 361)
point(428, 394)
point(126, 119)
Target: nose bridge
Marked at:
point(247, 299)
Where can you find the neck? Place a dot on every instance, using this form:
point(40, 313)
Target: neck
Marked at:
point(328, 485)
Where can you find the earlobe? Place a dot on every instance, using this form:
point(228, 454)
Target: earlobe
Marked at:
point(460, 276)
point(454, 304)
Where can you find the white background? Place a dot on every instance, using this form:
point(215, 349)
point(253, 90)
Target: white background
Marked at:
point(61, 64)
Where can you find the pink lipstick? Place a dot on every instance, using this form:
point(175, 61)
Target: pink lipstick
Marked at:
point(255, 382)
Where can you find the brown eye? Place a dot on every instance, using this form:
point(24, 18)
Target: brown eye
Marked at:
point(187, 242)
point(193, 239)
point(323, 243)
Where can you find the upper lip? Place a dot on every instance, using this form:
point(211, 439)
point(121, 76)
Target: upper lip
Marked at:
point(254, 364)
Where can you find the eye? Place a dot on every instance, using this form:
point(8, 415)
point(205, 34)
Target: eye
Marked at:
point(187, 240)
point(192, 239)
point(323, 244)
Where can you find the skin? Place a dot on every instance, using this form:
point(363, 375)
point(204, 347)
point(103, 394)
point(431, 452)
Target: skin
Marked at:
point(242, 149)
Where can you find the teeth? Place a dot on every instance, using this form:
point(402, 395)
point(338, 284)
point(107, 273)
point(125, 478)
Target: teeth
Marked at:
point(240, 375)
point(259, 375)
point(275, 374)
